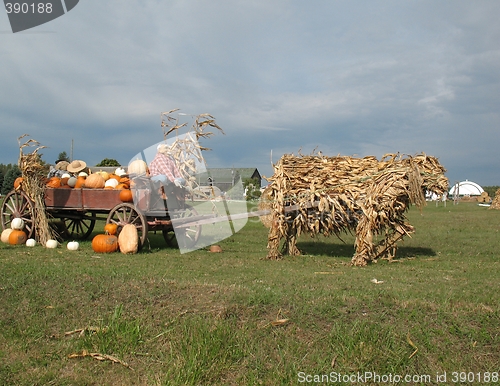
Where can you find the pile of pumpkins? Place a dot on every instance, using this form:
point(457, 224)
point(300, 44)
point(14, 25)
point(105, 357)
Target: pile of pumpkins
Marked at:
point(98, 180)
point(15, 235)
point(126, 242)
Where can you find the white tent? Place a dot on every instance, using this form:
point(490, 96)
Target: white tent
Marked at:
point(466, 188)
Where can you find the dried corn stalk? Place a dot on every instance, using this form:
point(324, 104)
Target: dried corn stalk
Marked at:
point(33, 184)
point(332, 195)
point(495, 204)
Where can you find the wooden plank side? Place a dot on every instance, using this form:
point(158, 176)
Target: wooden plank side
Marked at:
point(82, 199)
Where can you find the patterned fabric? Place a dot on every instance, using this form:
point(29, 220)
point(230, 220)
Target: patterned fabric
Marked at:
point(164, 165)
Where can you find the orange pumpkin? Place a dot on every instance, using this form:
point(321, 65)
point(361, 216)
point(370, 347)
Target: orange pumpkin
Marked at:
point(105, 243)
point(121, 186)
point(80, 182)
point(125, 181)
point(111, 228)
point(126, 195)
point(115, 177)
point(17, 182)
point(17, 237)
point(64, 181)
point(54, 182)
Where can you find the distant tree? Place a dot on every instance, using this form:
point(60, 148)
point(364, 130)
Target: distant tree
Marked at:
point(10, 177)
point(63, 156)
point(1, 179)
point(252, 188)
point(108, 162)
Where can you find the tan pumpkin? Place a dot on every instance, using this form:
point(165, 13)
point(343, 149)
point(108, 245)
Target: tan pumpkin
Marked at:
point(128, 239)
point(94, 181)
point(105, 243)
point(17, 237)
point(126, 195)
point(5, 235)
point(138, 167)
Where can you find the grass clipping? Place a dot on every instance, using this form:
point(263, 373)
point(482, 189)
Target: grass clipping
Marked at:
point(33, 185)
point(332, 195)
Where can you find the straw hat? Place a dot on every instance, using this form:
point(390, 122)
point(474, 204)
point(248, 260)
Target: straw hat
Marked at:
point(61, 165)
point(76, 166)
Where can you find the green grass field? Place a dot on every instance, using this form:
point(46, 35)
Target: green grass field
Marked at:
point(162, 318)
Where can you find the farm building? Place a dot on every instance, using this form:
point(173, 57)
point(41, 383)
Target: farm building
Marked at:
point(226, 178)
point(466, 189)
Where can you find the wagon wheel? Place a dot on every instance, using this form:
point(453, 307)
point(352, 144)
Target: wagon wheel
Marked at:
point(78, 227)
point(126, 213)
point(192, 233)
point(18, 204)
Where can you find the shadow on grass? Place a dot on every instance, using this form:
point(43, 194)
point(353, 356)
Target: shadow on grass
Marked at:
point(347, 250)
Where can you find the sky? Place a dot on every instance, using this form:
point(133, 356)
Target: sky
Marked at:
point(353, 78)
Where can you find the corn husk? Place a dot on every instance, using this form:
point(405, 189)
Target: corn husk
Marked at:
point(317, 194)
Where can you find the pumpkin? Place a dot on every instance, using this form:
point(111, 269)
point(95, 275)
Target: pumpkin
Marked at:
point(17, 182)
point(73, 245)
point(103, 174)
point(17, 237)
point(111, 183)
point(121, 186)
point(94, 181)
point(64, 181)
point(51, 243)
point(138, 167)
point(54, 182)
point(128, 239)
point(17, 223)
point(111, 228)
point(80, 182)
point(105, 243)
point(71, 182)
point(5, 235)
point(114, 177)
point(120, 172)
point(126, 195)
point(83, 174)
point(30, 242)
point(66, 175)
point(215, 248)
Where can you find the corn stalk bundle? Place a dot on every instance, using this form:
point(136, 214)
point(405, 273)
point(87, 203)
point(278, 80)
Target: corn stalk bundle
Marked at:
point(333, 195)
point(186, 150)
point(495, 204)
point(33, 184)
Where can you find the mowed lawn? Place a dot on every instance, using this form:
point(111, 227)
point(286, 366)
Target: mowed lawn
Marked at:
point(235, 318)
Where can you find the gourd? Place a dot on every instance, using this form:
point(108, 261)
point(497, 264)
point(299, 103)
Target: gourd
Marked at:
point(94, 181)
point(126, 195)
point(120, 172)
point(17, 223)
point(17, 182)
point(30, 242)
point(5, 235)
point(73, 245)
point(128, 239)
point(105, 243)
point(17, 237)
point(51, 243)
point(111, 182)
point(111, 228)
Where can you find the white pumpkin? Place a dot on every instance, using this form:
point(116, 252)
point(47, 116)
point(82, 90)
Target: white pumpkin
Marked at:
point(66, 175)
point(138, 167)
point(17, 223)
point(82, 174)
point(73, 245)
point(30, 242)
point(5, 235)
point(120, 171)
point(111, 182)
point(51, 243)
point(72, 181)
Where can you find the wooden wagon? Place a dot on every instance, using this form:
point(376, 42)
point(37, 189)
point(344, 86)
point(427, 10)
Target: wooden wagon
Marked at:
point(75, 211)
